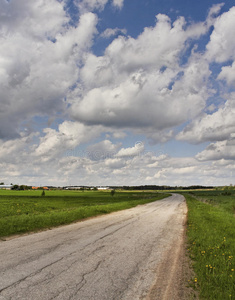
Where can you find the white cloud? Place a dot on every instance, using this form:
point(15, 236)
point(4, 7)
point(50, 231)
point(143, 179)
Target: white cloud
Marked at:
point(228, 73)
point(102, 150)
point(68, 136)
point(145, 168)
point(118, 3)
point(140, 99)
point(138, 87)
point(119, 135)
point(32, 18)
point(132, 151)
point(90, 5)
point(109, 32)
point(39, 58)
point(218, 150)
point(221, 47)
point(163, 41)
point(212, 127)
point(10, 149)
point(115, 163)
point(96, 5)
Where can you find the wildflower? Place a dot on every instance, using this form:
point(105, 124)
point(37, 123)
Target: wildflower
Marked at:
point(232, 270)
point(195, 280)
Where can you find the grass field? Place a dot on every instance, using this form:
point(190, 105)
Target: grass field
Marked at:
point(211, 237)
point(26, 211)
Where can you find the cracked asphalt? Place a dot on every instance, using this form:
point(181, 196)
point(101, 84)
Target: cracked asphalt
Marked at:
point(115, 256)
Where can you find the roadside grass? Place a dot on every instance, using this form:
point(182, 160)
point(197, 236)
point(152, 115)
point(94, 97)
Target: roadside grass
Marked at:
point(223, 199)
point(211, 244)
point(27, 211)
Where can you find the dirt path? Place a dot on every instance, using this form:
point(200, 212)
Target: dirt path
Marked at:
point(128, 255)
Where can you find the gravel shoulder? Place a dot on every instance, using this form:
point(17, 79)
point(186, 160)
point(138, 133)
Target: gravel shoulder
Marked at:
point(173, 273)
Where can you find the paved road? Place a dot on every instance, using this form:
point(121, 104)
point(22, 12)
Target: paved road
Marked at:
point(115, 256)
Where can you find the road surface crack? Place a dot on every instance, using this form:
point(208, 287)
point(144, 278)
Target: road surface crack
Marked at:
point(30, 275)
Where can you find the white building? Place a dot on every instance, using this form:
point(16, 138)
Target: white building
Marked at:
point(6, 186)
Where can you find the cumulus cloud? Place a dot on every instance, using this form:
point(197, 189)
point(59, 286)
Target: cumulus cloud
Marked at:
point(39, 56)
point(10, 149)
point(155, 100)
point(220, 150)
point(68, 136)
point(156, 49)
point(221, 47)
point(115, 163)
point(132, 151)
point(90, 5)
point(102, 150)
point(145, 168)
point(109, 32)
point(93, 5)
point(118, 3)
point(138, 86)
point(228, 74)
point(218, 126)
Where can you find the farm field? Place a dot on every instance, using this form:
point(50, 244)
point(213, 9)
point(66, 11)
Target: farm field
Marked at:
point(26, 211)
point(211, 242)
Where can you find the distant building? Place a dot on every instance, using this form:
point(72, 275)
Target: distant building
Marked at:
point(6, 186)
point(73, 187)
point(37, 187)
point(102, 188)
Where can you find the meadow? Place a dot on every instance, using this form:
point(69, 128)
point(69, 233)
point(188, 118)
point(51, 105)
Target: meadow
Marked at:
point(211, 242)
point(29, 211)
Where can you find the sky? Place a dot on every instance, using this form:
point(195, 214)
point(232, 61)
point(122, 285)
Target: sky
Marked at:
point(118, 92)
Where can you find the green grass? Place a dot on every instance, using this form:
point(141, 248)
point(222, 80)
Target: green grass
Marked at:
point(211, 237)
point(25, 211)
point(223, 199)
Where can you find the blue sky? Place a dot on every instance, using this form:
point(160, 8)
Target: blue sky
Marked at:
point(119, 92)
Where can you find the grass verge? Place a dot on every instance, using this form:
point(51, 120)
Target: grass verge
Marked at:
point(27, 211)
point(211, 237)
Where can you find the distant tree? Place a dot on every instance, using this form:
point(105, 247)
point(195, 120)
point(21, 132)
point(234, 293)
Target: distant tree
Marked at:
point(1, 183)
point(112, 192)
point(15, 187)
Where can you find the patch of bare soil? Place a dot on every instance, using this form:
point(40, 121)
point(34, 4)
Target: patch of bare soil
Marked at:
point(173, 275)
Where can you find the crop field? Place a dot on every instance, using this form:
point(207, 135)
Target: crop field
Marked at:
point(211, 242)
point(26, 211)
